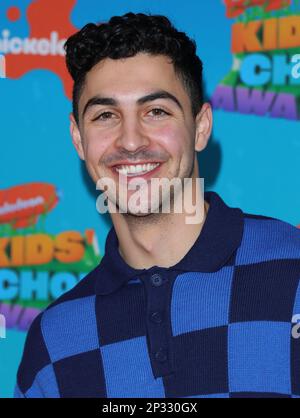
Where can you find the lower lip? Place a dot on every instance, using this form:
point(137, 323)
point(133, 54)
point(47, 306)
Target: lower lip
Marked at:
point(146, 176)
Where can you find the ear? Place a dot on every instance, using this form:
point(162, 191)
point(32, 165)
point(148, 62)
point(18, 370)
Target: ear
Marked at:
point(76, 136)
point(204, 121)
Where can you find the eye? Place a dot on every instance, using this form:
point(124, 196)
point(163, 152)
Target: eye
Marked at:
point(159, 112)
point(104, 116)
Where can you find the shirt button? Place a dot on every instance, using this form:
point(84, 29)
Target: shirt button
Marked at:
point(156, 280)
point(161, 355)
point(156, 317)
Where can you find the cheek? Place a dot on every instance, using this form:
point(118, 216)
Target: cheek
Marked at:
point(173, 139)
point(95, 147)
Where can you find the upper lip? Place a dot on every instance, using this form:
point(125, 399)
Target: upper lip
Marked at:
point(136, 163)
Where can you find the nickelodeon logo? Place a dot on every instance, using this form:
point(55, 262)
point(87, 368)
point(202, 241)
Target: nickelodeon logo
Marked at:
point(42, 46)
point(32, 46)
point(21, 206)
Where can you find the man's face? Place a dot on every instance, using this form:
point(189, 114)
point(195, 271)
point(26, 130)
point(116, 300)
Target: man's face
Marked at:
point(135, 111)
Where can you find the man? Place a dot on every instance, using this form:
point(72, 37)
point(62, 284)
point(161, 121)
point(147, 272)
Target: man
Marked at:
point(175, 308)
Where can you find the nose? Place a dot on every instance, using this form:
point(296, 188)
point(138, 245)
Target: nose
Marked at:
point(132, 136)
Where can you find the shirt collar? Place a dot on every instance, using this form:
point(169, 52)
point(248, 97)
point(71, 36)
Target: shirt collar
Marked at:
point(220, 236)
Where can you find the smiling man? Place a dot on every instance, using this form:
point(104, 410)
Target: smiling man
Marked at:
point(136, 120)
point(174, 309)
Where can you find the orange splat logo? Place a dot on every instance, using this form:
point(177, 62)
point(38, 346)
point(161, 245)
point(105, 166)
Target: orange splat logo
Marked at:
point(50, 26)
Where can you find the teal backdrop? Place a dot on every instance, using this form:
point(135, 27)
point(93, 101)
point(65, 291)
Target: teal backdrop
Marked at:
point(47, 201)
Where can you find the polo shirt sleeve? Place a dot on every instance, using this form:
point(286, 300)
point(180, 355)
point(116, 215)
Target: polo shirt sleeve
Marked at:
point(18, 393)
point(31, 379)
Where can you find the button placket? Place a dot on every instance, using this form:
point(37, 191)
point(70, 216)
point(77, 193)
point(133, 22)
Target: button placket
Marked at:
point(161, 355)
point(156, 317)
point(157, 286)
point(156, 280)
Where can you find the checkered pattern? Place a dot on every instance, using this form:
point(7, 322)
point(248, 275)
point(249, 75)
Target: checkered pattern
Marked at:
point(218, 324)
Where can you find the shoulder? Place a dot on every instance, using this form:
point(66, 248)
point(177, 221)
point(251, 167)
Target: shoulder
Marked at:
point(65, 309)
point(266, 238)
point(55, 332)
point(35, 357)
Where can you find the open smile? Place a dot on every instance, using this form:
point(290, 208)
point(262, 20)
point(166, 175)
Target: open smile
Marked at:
point(137, 170)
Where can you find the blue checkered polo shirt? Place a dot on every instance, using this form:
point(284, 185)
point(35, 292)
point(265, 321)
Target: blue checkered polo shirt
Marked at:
point(216, 324)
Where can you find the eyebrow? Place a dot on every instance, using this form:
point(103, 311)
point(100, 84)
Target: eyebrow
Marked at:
point(110, 101)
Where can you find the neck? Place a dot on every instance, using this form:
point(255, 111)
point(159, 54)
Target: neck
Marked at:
point(154, 239)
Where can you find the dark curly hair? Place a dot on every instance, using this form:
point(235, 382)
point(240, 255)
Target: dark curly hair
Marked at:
point(125, 36)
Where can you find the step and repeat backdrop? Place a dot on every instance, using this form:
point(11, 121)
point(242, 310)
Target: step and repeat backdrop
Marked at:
point(51, 234)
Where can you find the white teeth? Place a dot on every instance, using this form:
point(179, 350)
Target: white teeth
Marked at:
point(136, 169)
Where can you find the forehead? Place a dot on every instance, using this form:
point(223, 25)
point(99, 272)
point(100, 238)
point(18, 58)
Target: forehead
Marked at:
point(131, 77)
